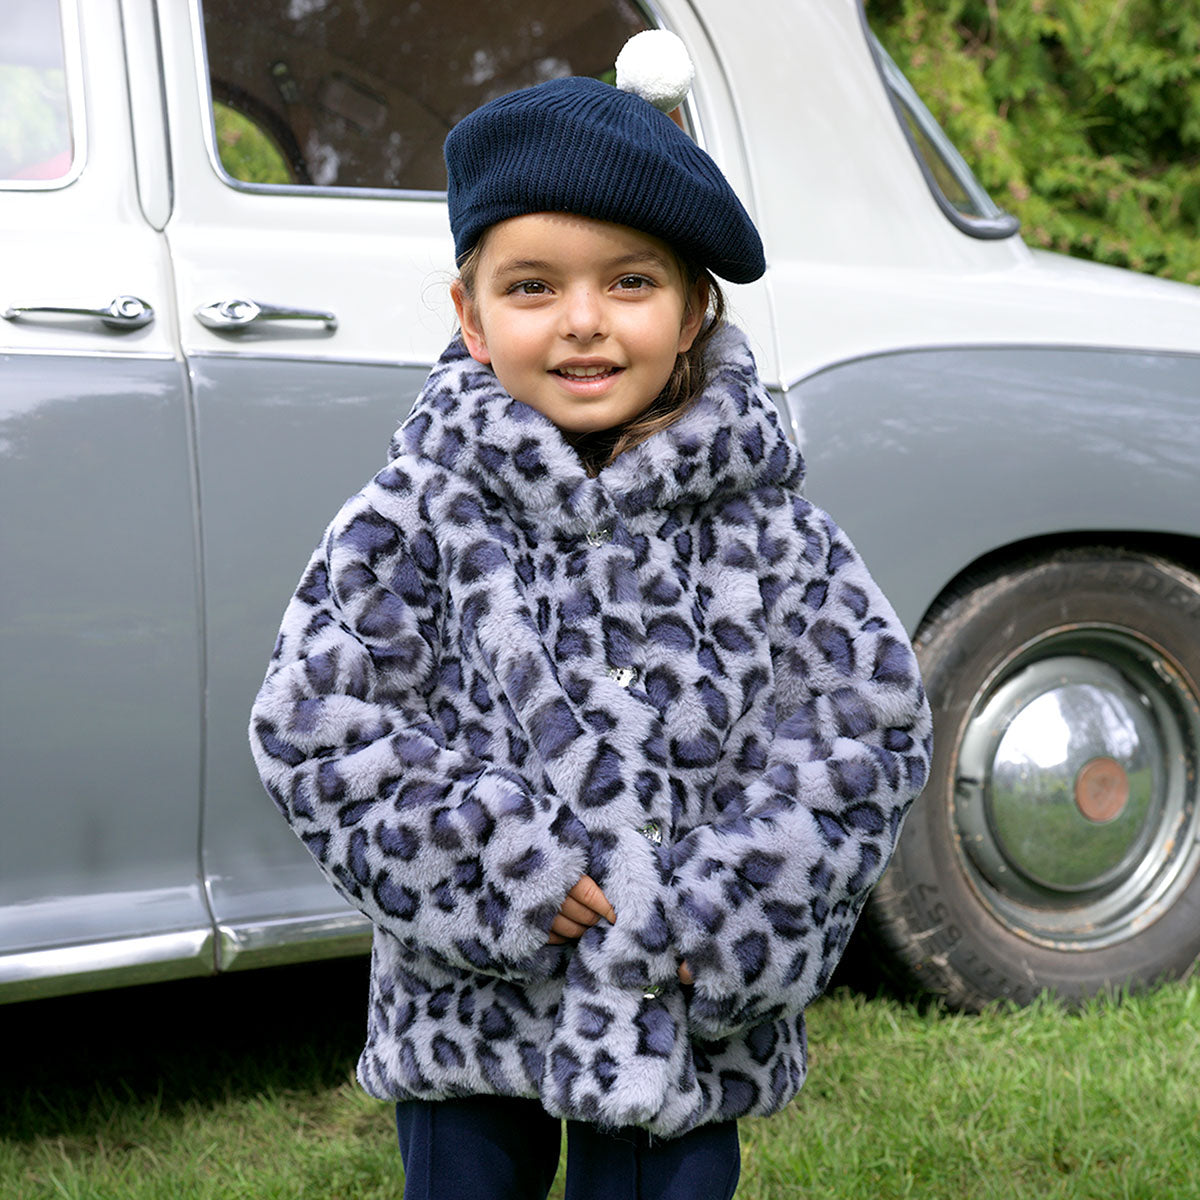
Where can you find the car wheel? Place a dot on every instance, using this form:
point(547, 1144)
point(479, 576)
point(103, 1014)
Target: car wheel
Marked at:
point(1056, 844)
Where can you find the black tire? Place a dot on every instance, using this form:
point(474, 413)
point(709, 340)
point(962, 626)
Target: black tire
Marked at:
point(1056, 845)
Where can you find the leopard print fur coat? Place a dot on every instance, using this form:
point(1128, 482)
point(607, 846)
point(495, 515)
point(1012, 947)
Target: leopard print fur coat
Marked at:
point(499, 673)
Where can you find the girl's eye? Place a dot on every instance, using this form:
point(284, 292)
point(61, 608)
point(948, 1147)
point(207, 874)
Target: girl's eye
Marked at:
point(629, 283)
point(528, 287)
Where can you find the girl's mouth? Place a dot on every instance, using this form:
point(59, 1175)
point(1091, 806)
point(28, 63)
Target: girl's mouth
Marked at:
point(585, 372)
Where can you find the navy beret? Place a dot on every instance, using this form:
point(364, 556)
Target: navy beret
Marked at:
point(577, 145)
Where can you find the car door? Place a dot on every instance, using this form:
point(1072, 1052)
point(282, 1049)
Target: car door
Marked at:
point(312, 255)
point(99, 617)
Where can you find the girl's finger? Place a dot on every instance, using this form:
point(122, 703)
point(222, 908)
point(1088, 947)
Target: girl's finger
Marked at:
point(685, 973)
point(587, 892)
point(567, 929)
point(579, 913)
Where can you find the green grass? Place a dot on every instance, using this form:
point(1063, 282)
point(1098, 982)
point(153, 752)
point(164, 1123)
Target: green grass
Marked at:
point(241, 1087)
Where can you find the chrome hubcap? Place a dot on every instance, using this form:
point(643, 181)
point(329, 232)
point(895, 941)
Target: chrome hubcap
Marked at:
point(1075, 809)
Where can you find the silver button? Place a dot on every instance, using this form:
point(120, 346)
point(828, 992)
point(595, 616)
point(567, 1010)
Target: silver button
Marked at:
point(623, 676)
point(652, 991)
point(652, 832)
point(600, 535)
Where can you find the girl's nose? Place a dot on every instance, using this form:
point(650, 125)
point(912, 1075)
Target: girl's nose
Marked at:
point(583, 315)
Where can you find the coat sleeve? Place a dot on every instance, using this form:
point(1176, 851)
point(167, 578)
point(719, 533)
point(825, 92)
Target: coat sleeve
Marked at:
point(441, 850)
point(764, 900)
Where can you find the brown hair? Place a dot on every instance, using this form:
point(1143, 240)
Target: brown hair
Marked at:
point(598, 450)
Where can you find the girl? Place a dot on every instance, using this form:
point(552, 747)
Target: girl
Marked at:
point(605, 727)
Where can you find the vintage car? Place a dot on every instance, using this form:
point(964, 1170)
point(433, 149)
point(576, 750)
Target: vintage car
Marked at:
point(225, 259)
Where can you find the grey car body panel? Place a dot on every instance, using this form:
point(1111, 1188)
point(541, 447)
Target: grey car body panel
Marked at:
point(281, 444)
point(931, 459)
point(100, 641)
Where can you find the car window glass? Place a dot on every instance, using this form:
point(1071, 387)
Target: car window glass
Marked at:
point(953, 183)
point(317, 93)
point(36, 144)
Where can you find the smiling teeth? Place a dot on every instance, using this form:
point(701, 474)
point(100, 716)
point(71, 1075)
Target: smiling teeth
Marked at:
point(584, 372)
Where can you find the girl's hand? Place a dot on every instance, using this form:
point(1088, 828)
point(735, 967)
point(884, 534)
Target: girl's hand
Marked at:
point(584, 906)
point(685, 974)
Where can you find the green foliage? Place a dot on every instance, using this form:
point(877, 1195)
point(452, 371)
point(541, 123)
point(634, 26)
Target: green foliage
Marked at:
point(246, 151)
point(1081, 117)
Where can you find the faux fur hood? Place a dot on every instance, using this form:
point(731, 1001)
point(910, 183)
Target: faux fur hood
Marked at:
point(728, 442)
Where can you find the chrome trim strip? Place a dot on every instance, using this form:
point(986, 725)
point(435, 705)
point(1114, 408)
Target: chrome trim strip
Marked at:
point(425, 365)
point(301, 189)
point(132, 355)
point(291, 939)
point(30, 974)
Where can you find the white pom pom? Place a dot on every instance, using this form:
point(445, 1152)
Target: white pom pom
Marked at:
point(655, 65)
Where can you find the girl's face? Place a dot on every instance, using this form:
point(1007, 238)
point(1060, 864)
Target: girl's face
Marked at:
point(580, 319)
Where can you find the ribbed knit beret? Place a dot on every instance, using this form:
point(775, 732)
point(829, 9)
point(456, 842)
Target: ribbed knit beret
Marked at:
point(577, 145)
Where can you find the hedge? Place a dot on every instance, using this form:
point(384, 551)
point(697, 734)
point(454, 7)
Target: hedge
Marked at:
point(1081, 117)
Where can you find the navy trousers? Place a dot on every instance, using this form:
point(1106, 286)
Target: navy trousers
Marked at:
point(499, 1148)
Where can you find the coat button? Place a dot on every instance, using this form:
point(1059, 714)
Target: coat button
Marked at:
point(600, 535)
point(652, 832)
point(623, 676)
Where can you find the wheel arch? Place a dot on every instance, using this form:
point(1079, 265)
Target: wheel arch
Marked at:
point(939, 462)
point(1181, 549)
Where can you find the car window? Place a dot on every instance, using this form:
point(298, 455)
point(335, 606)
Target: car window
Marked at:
point(319, 94)
point(37, 148)
point(961, 196)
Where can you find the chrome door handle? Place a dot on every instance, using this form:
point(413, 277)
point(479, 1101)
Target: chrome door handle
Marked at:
point(237, 312)
point(125, 312)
